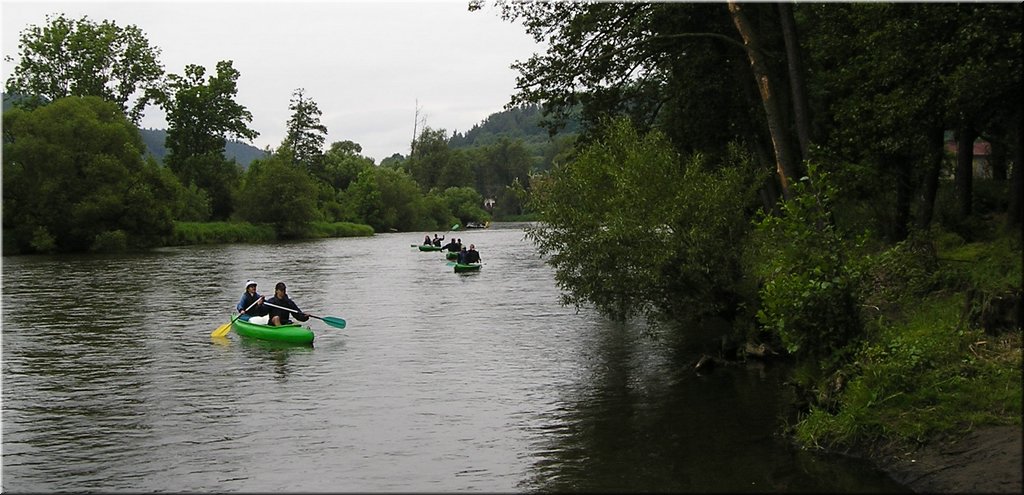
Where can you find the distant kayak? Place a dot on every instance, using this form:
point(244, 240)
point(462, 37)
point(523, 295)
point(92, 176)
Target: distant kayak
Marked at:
point(467, 267)
point(292, 334)
point(424, 247)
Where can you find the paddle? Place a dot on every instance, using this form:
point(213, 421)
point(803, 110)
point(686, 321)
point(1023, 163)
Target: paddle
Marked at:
point(225, 328)
point(330, 320)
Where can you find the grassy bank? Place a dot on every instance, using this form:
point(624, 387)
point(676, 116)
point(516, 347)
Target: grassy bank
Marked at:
point(943, 354)
point(186, 233)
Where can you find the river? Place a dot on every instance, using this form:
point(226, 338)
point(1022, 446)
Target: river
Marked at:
point(440, 382)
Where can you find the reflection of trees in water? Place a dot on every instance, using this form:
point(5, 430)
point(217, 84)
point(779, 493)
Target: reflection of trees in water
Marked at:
point(639, 419)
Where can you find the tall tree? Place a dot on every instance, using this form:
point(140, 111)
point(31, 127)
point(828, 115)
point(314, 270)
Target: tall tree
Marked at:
point(78, 57)
point(201, 115)
point(74, 179)
point(431, 159)
point(306, 135)
point(675, 67)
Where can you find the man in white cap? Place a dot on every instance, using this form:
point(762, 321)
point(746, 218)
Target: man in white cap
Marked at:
point(251, 303)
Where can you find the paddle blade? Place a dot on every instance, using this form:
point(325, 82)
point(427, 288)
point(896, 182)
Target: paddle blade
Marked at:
point(221, 330)
point(455, 227)
point(450, 263)
point(334, 321)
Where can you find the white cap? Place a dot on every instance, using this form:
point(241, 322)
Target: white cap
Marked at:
point(248, 283)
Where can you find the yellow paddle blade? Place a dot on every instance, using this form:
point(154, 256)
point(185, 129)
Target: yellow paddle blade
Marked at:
point(221, 330)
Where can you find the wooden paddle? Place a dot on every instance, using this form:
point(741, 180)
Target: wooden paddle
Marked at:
point(330, 320)
point(225, 328)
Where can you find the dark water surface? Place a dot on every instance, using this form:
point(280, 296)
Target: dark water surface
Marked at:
point(441, 382)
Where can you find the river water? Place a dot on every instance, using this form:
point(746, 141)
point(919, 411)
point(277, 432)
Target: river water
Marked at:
point(440, 382)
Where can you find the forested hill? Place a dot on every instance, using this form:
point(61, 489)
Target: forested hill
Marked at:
point(518, 123)
point(242, 153)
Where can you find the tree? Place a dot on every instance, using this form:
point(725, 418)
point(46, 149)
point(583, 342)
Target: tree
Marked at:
point(675, 67)
point(630, 190)
point(74, 179)
point(388, 198)
point(503, 163)
point(82, 58)
point(277, 193)
point(306, 135)
point(431, 158)
point(201, 116)
point(466, 204)
point(343, 163)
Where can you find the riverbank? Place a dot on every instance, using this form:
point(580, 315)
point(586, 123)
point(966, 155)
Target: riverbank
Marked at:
point(989, 459)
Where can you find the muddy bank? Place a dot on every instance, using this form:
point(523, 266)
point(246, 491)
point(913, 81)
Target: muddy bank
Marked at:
point(987, 460)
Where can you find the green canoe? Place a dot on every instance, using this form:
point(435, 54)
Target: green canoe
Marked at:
point(292, 334)
point(424, 247)
point(463, 268)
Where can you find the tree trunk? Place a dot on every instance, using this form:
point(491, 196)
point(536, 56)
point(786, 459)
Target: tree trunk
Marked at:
point(1015, 209)
point(796, 78)
point(904, 193)
point(785, 165)
point(931, 180)
point(964, 180)
point(997, 160)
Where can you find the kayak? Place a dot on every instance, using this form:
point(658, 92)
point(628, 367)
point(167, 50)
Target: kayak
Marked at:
point(470, 267)
point(452, 256)
point(424, 247)
point(293, 334)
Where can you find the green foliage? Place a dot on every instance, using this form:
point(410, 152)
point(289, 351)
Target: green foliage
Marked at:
point(922, 375)
point(110, 242)
point(808, 284)
point(278, 193)
point(464, 203)
point(188, 233)
point(305, 134)
point(201, 116)
point(78, 57)
point(341, 229)
point(387, 198)
point(631, 228)
point(73, 170)
point(343, 163)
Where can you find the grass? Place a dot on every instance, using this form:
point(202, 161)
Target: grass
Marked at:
point(928, 367)
point(230, 232)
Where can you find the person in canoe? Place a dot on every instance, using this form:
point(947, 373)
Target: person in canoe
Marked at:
point(280, 316)
point(249, 297)
point(437, 240)
point(471, 256)
point(452, 246)
point(426, 240)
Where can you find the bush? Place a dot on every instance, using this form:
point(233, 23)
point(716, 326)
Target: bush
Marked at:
point(808, 284)
point(111, 241)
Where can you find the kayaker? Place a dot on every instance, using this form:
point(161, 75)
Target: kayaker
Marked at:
point(280, 298)
point(452, 246)
point(426, 239)
point(437, 241)
point(462, 256)
point(472, 256)
point(249, 297)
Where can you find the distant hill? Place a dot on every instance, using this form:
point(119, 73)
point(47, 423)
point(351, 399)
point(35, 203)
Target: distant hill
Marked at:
point(243, 153)
point(518, 123)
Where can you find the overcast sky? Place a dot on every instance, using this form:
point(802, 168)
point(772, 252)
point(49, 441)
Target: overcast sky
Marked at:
point(364, 63)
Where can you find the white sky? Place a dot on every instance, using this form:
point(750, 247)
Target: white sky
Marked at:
point(364, 63)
